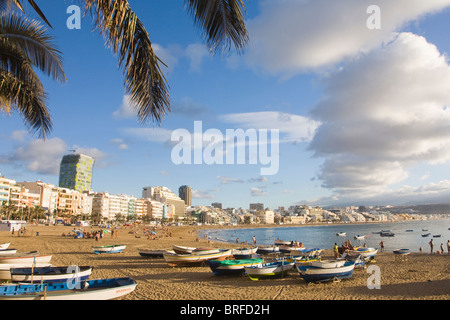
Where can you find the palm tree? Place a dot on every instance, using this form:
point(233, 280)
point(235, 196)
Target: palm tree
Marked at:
point(24, 46)
point(222, 22)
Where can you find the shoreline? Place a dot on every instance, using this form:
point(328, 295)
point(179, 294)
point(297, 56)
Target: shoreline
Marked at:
point(421, 277)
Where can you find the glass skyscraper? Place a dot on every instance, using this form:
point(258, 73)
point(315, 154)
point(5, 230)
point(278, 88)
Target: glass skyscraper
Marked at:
point(75, 172)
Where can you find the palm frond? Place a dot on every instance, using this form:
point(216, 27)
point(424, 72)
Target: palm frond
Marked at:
point(222, 22)
point(32, 38)
point(28, 100)
point(126, 34)
point(6, 4)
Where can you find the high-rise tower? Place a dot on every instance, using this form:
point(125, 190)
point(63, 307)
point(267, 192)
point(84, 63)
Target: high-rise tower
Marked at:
point(185, 193)
point(75, 172)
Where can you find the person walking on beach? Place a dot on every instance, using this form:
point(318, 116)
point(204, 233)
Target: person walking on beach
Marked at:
point(448, 246)
point(431, 246)
point(381, 246)
point(254, 240)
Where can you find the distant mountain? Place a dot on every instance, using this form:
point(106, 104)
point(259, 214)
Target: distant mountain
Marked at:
point(423, 209)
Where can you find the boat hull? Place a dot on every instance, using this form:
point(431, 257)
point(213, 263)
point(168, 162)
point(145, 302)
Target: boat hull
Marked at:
point(267, 249)
point(182, 249)
point(268, 270)
point(245, 253)
point(109, 249)
point(317, 274)
point(148, 253)
point(232, 267)
point(7, 252)
point(365, 252)
point(50, 274)
point(4, 246)
point(173, 259)
point(103, 289)
point(25, 259)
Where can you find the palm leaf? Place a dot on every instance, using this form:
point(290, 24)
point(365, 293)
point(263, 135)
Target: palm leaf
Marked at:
point(222, 21)
point(31, 38)
point(5, 4)
point(126, 34)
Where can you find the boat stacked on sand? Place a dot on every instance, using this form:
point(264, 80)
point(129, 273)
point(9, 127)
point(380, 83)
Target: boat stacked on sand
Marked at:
point(22, 260)
point(269, 270)
point(102, 289)
point(151, 253)
point(306, 257)
point(7, 252)
point(117, 248)
point(50, 274)
point(402, 252)
point(232, 266)
point(267, 249)
point(326, 270)
point(4, 246)
point(364, 252)
point(197, 256)
point(245, 253)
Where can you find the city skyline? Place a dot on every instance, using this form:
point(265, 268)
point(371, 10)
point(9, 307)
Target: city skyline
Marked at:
point(362, 113)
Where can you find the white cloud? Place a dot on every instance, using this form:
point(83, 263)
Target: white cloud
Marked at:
point(293, 36)
point(199, 194)
point(127, 109)
point(257, 192)
point(382, 114)
point(295, 128)
point(228, 180)
point(196, 52)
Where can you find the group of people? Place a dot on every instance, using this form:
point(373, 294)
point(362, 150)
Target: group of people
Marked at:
point(431, 244)
point(345, 247)
point(95, 234)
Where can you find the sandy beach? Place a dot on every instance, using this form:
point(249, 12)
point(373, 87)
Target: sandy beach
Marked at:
point(421, 277)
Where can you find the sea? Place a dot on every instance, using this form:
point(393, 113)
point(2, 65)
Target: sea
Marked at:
point(407, 234)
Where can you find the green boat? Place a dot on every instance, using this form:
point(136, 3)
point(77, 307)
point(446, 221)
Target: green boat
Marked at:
point(228, 267)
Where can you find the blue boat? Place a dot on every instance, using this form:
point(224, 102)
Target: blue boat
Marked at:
point(101, 289)
point(328, 272)
point(109, 249)
point(402, 251)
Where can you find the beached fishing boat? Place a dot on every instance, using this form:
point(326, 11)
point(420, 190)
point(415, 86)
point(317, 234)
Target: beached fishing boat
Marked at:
point(5, 268)
point(150, 253)
point(288, 249)
point(7, 252)
point(4, 246)
point(402, 251)
point(50, 274)
point(266, 249)
point(182, 249)
point(268, 270)
point(365, 252)
point(102, 289)
point(25, 258)
point(175, 259)
point(117, 248)
point(244, 253)
point(205, 250)
point(322, 273)
point(341, 234)
point(279, 242)
point(232, 267)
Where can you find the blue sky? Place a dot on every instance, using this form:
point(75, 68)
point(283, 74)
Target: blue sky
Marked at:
point(363, 114)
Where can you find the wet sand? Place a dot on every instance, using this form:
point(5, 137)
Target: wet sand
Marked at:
point(420, 277)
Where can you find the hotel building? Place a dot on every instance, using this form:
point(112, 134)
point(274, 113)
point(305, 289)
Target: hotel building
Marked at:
point(76, 172)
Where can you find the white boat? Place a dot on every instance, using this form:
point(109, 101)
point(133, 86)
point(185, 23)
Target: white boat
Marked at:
point(268, 270)
point(365, 252)
point(244, 253)
point(287, 249)
point(328, 263)
point(205, 251)
point(102, 289)
point(175, 259)
point(403, 252)
point(5, 269)
point(341, 234)
point(182, 249)
point(25, 258)
point(265, 249)
point(50, 274)
point(4, 246)
point(109, 249)
point(7, 252)
point(358, 237)
point(279, 242)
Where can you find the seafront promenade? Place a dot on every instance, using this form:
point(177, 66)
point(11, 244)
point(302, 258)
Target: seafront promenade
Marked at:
point(421, 276)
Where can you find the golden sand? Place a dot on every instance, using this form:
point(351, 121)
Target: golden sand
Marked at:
point(421, 276)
